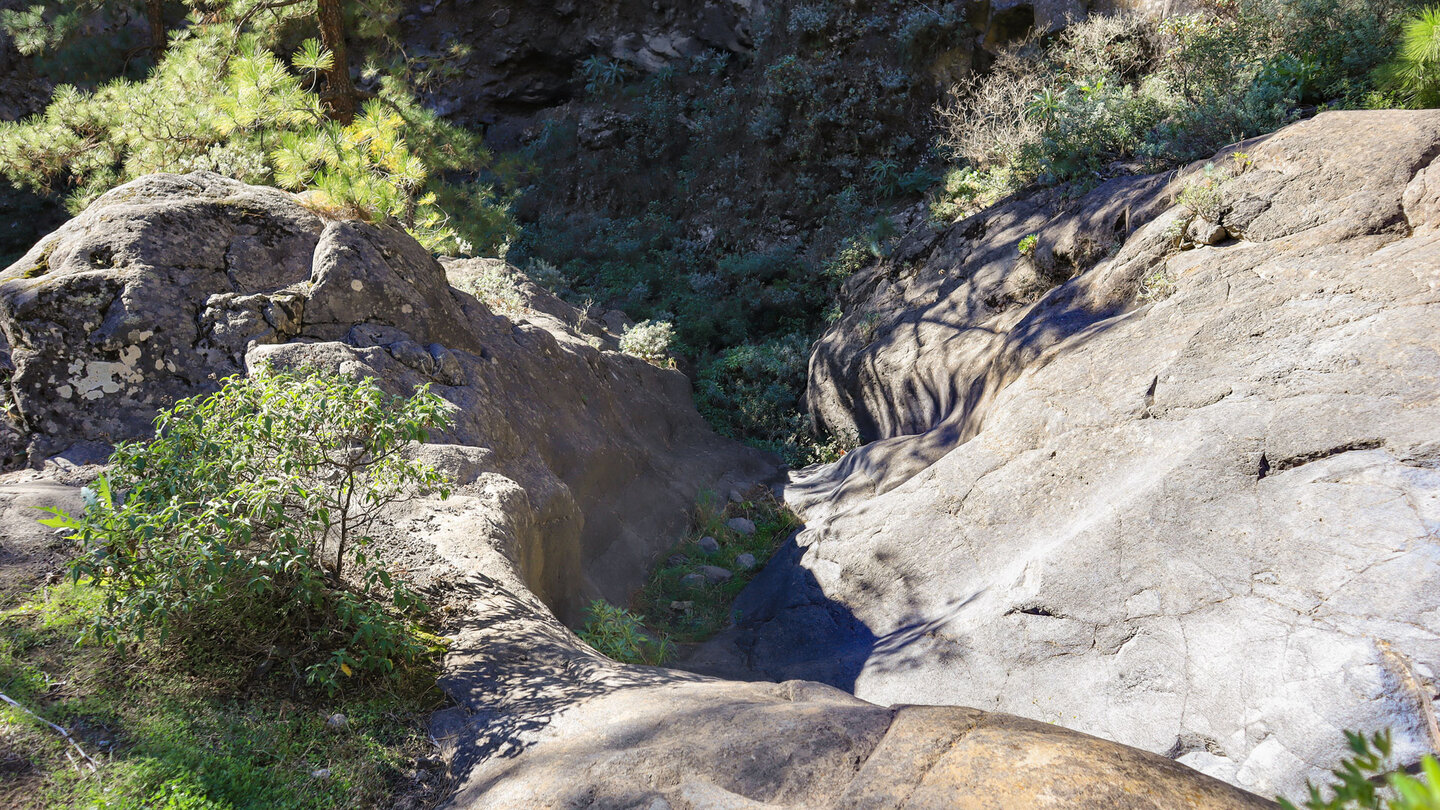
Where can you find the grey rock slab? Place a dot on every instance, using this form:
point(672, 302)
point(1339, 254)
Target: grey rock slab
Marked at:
point(1202, 525)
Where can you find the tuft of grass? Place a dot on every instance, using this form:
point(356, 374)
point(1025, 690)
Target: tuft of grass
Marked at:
point(690, 613)
point(191, 729)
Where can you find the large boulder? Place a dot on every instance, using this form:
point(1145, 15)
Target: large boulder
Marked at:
point(573, 466)
point(168, 283)
point(1171, 479)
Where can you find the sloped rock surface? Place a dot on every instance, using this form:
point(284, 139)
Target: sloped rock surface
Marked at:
point(168, 283)
point(571, 466)
point(1201, 521)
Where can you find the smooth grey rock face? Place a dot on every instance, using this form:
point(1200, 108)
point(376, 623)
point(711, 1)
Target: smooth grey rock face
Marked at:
point(1204, 524)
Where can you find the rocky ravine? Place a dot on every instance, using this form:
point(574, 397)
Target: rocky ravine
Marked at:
point(575, 467)
point(1187, 499)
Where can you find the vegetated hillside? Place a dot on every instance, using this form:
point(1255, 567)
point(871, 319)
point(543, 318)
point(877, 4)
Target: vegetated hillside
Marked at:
point(732, 188)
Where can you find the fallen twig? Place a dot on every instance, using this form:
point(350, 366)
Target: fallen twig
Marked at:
point(58, 730)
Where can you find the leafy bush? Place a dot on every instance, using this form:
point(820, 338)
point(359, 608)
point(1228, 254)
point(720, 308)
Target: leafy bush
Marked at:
point(619, 634)
point(246, 518)
point(649, 340)
point(234, 108)
point(1366, 781)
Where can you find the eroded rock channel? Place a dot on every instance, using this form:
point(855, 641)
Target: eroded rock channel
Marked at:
point(1200, 523)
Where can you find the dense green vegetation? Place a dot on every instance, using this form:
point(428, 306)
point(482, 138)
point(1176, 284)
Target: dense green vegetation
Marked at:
point(247, 518)
point(223, 99)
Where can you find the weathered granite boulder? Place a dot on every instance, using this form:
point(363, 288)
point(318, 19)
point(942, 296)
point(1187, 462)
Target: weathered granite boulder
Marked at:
point(166, 284)
point(1186, 499)
point(573, 467)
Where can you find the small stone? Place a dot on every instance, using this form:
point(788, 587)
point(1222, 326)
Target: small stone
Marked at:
point(709, 545)
point(1204, 232)
point(745, 562)
point(337, 722)
point(714, 574)
point(692, 581)
point(320, 773)
point(675, 560)
point(682, 607)
point(736, 497)
point(744, 526)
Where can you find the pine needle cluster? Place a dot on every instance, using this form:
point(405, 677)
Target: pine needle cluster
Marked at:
point(227, 104)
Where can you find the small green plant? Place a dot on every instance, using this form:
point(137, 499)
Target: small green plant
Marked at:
point(1367, 781)
point(649, 340)
point(1203, 196)
point(619, 634)
point(600, 73)
point(1028, 244)
point(494, 285)
point(247, 518)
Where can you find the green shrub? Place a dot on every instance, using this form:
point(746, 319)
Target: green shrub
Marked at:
point(1367, 781)
point(1115, 93)
point(247, 517)
point(1027, 244)
point(649, 340)
point(619, 634)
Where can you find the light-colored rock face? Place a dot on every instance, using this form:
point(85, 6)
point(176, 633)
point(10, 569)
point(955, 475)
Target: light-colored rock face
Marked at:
point(572, 468)
point(1206, 525)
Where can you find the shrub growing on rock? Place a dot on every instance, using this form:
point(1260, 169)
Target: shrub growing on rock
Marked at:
point(649, 341)
point(247, 518)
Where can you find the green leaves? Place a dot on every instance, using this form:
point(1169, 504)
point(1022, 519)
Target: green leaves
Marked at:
point(224, 103)
point(1365, 781)
point(1414, 73)
point(619, 634)
point(239, 520)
